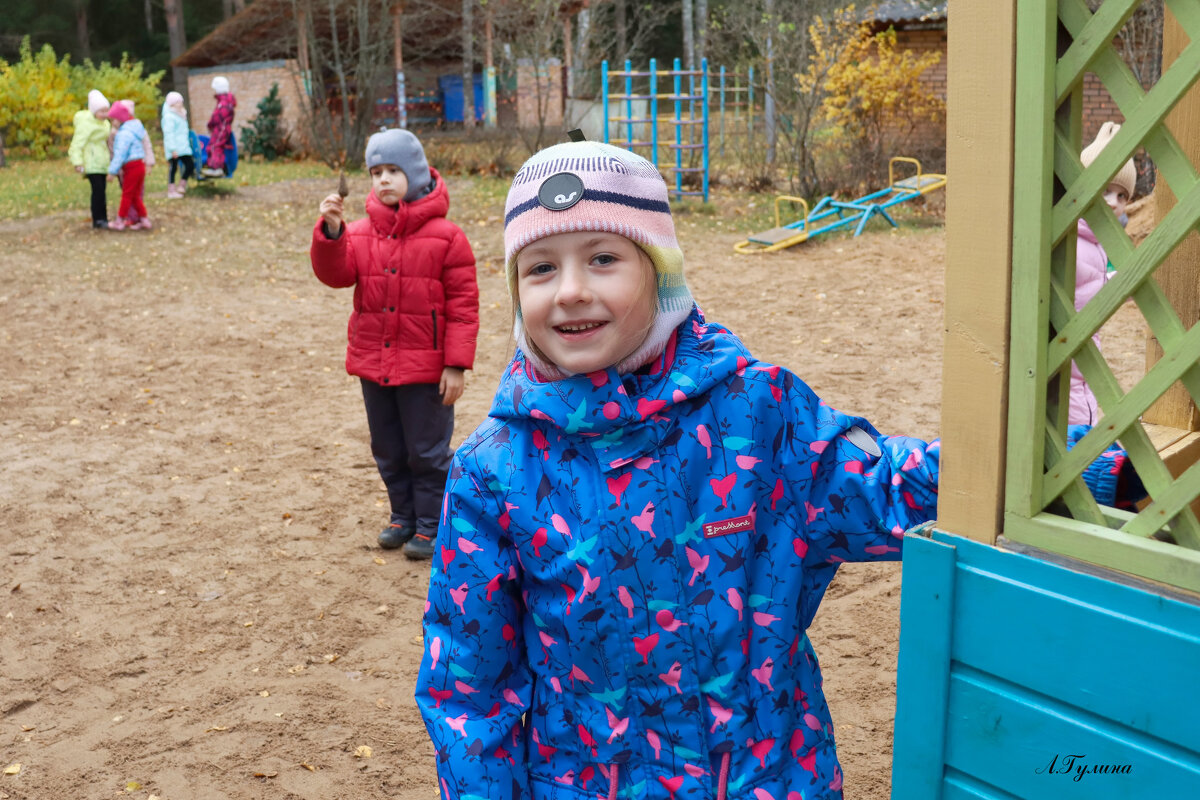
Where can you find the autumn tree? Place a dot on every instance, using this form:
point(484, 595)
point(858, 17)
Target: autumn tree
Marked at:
point(874, 97)
point(748, 32)
point(349, 54)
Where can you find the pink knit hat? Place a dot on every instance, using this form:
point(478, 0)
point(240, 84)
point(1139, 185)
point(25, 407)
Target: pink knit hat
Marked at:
point(121, 111)
point(590, 186)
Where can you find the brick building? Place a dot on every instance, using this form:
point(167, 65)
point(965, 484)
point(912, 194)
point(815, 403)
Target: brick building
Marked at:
point(250, 83)
point(921, 26)
point(262, 45)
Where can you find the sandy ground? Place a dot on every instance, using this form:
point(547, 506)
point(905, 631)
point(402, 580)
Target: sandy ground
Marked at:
point(191, 602)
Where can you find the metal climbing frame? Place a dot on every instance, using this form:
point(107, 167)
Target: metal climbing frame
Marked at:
point(690, 129)
point(740, 102)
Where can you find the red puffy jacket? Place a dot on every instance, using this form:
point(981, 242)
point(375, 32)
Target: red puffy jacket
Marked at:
point(416, 304)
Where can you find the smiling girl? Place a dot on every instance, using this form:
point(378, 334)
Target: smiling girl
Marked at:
point(634, 544)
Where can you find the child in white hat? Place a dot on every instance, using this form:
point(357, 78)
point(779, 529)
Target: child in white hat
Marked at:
point(176, 145)
point(220, 129)
point(89, 152)
point(1091, 264)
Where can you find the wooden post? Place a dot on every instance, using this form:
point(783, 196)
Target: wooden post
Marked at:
point(568, 60)
point(302, 48)
point(489, 72)
point(398, 51)
point(1179, 274)
point(979, 159)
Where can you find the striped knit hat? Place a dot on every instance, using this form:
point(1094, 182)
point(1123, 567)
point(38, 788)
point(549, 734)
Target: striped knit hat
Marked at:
point(590, 186)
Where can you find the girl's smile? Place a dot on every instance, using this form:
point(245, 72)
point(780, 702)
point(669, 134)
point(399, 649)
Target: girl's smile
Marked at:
point(587, 299)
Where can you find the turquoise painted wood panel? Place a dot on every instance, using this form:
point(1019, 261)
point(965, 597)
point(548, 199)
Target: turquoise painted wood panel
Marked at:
point(1096, 643)
point(1031, 745)
point(1019, 678)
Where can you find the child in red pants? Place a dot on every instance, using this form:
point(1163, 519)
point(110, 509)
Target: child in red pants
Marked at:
point(129, 153)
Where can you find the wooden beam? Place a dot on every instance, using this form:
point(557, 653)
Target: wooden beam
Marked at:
point(1179, 274)
point(979, 158)
point(398, 65)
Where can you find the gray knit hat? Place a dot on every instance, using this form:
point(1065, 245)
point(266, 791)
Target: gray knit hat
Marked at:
point(399, 147)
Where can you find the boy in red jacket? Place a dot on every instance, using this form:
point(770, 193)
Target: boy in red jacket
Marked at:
point(413, 329)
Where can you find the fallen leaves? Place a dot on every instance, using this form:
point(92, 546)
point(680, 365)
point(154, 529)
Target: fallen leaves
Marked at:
point(217, 728)
point(13, 769)
point(363, 751)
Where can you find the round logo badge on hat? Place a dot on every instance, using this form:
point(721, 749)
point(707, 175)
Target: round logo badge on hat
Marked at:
point(560, 191)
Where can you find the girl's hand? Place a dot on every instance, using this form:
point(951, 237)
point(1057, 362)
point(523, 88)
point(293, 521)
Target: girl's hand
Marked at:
point(79, 169)
point(451, 385)
point(331, 212)
point(111, 177)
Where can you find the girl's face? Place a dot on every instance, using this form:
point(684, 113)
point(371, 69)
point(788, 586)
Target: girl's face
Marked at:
point(102, 114)
point(390, 183)
point(1116, 198)
point(587, 298)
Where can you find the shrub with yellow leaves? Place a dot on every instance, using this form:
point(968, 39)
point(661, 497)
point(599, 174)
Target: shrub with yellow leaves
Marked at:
point(874, 97)
point(36, 102)
point(39, 95)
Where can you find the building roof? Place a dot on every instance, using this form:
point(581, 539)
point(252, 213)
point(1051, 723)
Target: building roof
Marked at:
point(266, 30)
point(893, 11)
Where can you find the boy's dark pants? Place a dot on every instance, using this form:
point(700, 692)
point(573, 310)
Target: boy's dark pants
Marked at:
point(410, 439)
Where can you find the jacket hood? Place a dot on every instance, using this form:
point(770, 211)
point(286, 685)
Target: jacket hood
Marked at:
point(407, 217)
point(134, 128)
point(601, 404)
point(1085, 232)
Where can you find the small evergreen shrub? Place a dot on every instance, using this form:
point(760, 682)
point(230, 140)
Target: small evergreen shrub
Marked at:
point(266, 135)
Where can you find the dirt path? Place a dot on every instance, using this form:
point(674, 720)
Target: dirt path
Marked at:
point(190, 596)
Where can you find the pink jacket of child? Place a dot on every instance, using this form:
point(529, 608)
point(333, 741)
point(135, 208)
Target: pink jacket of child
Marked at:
point(1091, 273)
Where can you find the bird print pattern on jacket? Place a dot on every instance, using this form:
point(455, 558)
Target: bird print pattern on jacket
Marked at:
point(626, 570)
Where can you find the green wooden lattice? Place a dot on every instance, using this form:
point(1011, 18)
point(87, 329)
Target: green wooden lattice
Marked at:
point(1047, 503)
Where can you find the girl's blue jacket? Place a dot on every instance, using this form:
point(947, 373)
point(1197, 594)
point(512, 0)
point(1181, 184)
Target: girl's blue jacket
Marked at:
point(127, 145)
point(626, 571)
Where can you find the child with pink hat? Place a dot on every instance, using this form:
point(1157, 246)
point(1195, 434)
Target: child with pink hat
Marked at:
point(129, 158)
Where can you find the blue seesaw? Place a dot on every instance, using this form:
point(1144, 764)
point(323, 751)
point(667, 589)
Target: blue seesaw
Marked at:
point(199, 143)
point(829, 214)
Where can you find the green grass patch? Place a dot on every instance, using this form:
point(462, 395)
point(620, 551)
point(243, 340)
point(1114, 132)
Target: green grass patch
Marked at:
point(35, 188)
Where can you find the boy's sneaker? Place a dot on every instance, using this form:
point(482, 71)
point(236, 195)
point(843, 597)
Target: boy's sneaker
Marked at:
point(212, 172)
point(420, 547)
point(100, 224)
point(394, 536)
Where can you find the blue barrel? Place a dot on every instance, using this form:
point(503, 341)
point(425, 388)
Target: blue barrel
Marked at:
point(451, 89)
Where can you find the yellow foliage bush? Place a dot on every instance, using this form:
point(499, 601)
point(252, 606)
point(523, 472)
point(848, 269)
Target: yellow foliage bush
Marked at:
point(39, 95)
point(874, 98)
point(123, 81)
point(35, 95)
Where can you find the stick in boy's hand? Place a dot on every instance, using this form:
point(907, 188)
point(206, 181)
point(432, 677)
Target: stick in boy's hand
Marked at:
point(331, 212)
